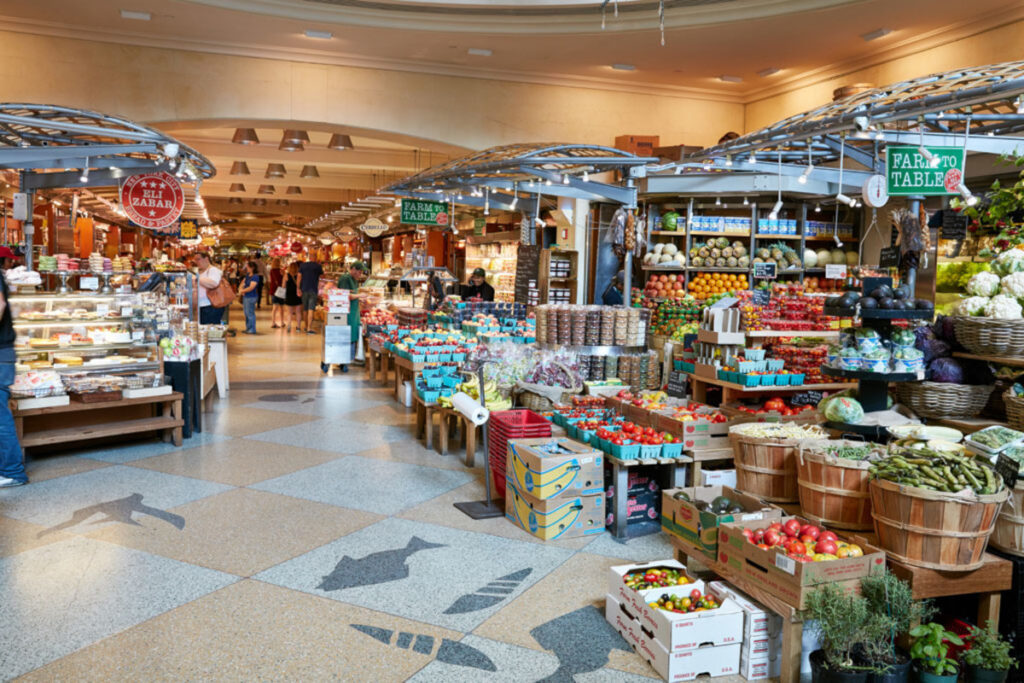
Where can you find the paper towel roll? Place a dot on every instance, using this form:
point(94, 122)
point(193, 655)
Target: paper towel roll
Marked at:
point(468, 406)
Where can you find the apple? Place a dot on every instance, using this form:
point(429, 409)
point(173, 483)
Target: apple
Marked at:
point(792, 527)
point(810, 530)
point(826, 547)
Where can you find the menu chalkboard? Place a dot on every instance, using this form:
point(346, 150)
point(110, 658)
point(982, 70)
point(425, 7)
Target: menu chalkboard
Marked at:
point(954, 226)
point(889, 257)
point(527, 269)
point(1007, 468)
point(676, 384)
point(762, 297)
point(806, 398)
point(764, 271)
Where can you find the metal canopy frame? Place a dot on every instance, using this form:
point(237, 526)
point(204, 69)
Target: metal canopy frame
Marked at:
point(989, 99)
point(59, 148)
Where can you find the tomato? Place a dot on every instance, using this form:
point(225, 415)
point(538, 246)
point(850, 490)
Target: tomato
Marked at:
point(774, 405)
point(775, 525)
point(797, 548)
point(827, 536)
point(792, 527)
point(810, 530)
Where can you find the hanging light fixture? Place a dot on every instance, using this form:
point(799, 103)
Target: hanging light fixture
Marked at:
point(265, 189)
point(239, 168)
point(85, 172)
point(774, 215)
point(260, 201)
point(293, 189)
point(810, 167)
point(300, 137)
point(275, 171)
point(339, 141)
point(309, 171)
point(235, 200)
point(746, 201)
point(245, 136)
point(236, 187)
point(964, 191)
point(290, 145)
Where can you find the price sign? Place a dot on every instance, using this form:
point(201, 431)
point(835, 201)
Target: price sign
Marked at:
point(835, 271)
point(90, 283)
point(64, 339)
point(676, 384)
point(126, 312)
point(764, 271)
point(806, 398)
point(102, 309)
point(138, 335)
point(954, 225)
point(1007, 468)
point(762, 297)
point(889, 257)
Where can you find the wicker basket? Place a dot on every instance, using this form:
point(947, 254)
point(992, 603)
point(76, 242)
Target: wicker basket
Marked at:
point(939, 400)
point(833, 491)
point(1008, 535)
point(932, 529)
point(1014, 412)
point(766, 467)
point(990, 336)
point(538, 402)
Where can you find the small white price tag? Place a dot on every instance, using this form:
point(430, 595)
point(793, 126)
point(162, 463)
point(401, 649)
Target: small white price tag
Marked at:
point(835, 271)
point(102, 309)
point(64, 339)
point(126, 312)
point(786, 564)
point(138, 335)
point(91, 283)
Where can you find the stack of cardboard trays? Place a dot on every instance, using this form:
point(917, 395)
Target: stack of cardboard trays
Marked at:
point(680, 646)
point(554, 487)
point(761, 653)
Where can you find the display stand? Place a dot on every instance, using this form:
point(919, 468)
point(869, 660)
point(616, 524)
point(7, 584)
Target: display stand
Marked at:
point(405, 370)
point(672, 474)
point(186, 379)
point(987, 582)
point(732, 391)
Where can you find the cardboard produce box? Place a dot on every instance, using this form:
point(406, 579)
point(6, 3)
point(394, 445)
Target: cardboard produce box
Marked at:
point(622, 621)
point(759, 622)
point(636, 601)
point(579, 471)
point(686, 665)
point(790, 580)
point(718, 477)
point(560, 517)
point(692, 630)
point(758, 669)
point(684, 519)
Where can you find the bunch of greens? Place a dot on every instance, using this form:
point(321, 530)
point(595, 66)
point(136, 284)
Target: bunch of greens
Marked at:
point(989, 650)
point(931, 645)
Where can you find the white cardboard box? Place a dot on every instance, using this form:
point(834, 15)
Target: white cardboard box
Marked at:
point(636, 601)
point(621, 620)
point(757, 669)
point(718, 478)
point(145, 392)
point(685, 665)
point(759, 622)
point(693, 630)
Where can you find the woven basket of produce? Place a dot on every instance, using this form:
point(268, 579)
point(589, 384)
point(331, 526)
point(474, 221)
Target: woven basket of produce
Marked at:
point(990, 336)
point(542, 397)
point(935, 510)
point(765, 458)
point(1014, 410)
point(939, 400)
point(1008, 534)
point(832, 480)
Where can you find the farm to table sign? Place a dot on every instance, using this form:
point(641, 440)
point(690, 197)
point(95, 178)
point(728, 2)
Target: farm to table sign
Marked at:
point(152, 200)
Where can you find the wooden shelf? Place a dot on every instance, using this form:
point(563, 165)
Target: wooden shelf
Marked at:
point(63, 435)
point(669, 233)
point(675, 269)
point(1014, 361)
point(772, 389)
point(777, 237)
point(75, 407)
point(716, 269)
point(719, 234)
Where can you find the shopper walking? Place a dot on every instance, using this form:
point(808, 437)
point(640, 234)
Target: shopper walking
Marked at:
point(250, 292)
point(309, 287)
point(209, 279)
point(292, 300)
point(276, 300)
point(261, 270)
point(12, 469)
point(350, 281)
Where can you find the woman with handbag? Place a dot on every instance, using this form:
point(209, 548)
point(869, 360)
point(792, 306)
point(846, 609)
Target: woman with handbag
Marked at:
point(277, 294)
point(292, 300)
point(215, 294)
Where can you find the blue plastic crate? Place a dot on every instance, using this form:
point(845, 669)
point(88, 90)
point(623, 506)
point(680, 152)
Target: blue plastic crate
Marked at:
point(431, 372)
point(450, 381)
point(797, 380)
point(627, 451)
point(458, 357)
point(775, 364)
point(416, 357)
point(672, 450)
point(650, 450)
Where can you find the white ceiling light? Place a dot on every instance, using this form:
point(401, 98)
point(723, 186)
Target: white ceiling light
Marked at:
point(136, 15)
point(85, 172)
point(479, 52)
point(318, 35)
point(624, 67)
point(876, 34)
point(725, 78)
point(770, 71)
point(933, 160)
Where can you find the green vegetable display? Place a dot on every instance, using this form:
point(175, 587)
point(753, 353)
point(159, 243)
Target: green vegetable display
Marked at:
point(996, 437)
point(939, 471)
point(851, 452)
point(843, 409)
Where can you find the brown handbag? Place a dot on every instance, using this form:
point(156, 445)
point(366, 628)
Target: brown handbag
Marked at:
point(222, 295)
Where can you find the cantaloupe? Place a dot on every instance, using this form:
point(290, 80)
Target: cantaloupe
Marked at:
point(810, 258)
point(838, 256)
point(824, 257)
point(851, 258)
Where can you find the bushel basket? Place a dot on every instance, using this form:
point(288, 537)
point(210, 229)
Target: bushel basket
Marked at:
point(766, 467)
point(932, 529)
point(990, 336)
point(1008, 535)
point(833, 491)
point(1014, 412)
point(939, 400)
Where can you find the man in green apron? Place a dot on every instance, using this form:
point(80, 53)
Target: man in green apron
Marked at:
point(350, 281)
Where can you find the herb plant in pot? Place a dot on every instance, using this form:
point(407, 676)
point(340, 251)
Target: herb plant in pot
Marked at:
point(841, 621)
point(988, 660)
point(929, 653)
point(892, 610)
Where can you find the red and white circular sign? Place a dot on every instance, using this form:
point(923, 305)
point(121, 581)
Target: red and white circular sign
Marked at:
point(442, 218)
point(152, 200)
point(952, 180)
point(297, 247)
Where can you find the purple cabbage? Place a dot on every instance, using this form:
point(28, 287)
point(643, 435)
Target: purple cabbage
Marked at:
point(945, 329)
point(948, 370)
point(930, 344)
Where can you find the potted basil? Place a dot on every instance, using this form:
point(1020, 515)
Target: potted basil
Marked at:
point(988, 660)
point(931, 645)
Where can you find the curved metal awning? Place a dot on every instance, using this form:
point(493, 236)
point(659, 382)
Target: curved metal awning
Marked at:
point(53, 146)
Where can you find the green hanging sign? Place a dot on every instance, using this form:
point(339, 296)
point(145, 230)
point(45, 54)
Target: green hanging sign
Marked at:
point(424, 212)
point(909, 172)
point(478, 225)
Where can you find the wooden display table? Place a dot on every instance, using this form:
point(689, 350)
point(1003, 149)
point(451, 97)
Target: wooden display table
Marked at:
point(732, 391)
point(792, 626)
point(82, 421)
point(987, 582)
point(425, 419)
point(405, 370)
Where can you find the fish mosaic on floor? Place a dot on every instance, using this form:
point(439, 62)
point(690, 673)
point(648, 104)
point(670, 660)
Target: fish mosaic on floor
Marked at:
point(489, 595)
point(582, 641)
point(450, 651)
point(120, 511)
point(379, 567)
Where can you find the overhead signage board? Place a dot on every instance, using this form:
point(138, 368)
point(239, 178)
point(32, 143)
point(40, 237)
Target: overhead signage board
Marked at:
point(478, 225)
point(189, 230)
point(908, 172)
point(152, 200)
point(424, 212)
point(374, 227)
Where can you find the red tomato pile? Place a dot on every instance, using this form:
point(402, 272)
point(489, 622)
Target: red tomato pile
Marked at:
point(775, 405)
point(802, 542)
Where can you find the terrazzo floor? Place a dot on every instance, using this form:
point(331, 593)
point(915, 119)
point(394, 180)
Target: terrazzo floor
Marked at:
point(303, 535)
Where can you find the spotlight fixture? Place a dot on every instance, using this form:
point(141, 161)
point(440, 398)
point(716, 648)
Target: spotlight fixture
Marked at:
point(817, 208)
point(774, 215)
point(235, 200)
point(586, 177)
point(293, 189)
point(339, 141)
point(806, 174)
point(845, 200)
point(1020, 105)
point(290, 146)
point(728, 161)
point(565, 179)
point(245, 136)
point(275, 171)
point(260, 201)
point(933, 160)
point(718, 201)
point(309, 171)
point(265, 189)
point(967, 195)
point(85, 172)
point(239, 168)
point(752, 159)
point(236, 187)
point(300, 137)
point(746, 201)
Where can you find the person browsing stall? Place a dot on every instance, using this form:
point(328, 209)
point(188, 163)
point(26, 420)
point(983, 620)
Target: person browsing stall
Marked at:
point(309, 287)
point(478, 288)
point(249, 292)
point(209, 279)
point(12, 469)
point(350, 281)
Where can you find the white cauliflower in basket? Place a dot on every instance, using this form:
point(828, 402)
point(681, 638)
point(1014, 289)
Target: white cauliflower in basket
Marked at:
point(984, 283)
point(1010, 261)
point(1012, 285)
point(974, 305)
point(1005, 307)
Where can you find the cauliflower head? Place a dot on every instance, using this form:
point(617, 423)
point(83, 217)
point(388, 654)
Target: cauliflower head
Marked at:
point(974, 305)
point(984, 283)
point(1002, 306)
point(1012, 285)
point(1010, 261)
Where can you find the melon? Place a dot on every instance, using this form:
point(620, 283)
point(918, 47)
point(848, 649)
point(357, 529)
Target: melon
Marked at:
point(824, 257)
point(838, 256)
point(851, 258)
point(810, 258)
point(670, 249)
point(658, 248)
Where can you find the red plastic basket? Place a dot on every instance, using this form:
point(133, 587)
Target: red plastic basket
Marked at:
point(504, 426)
